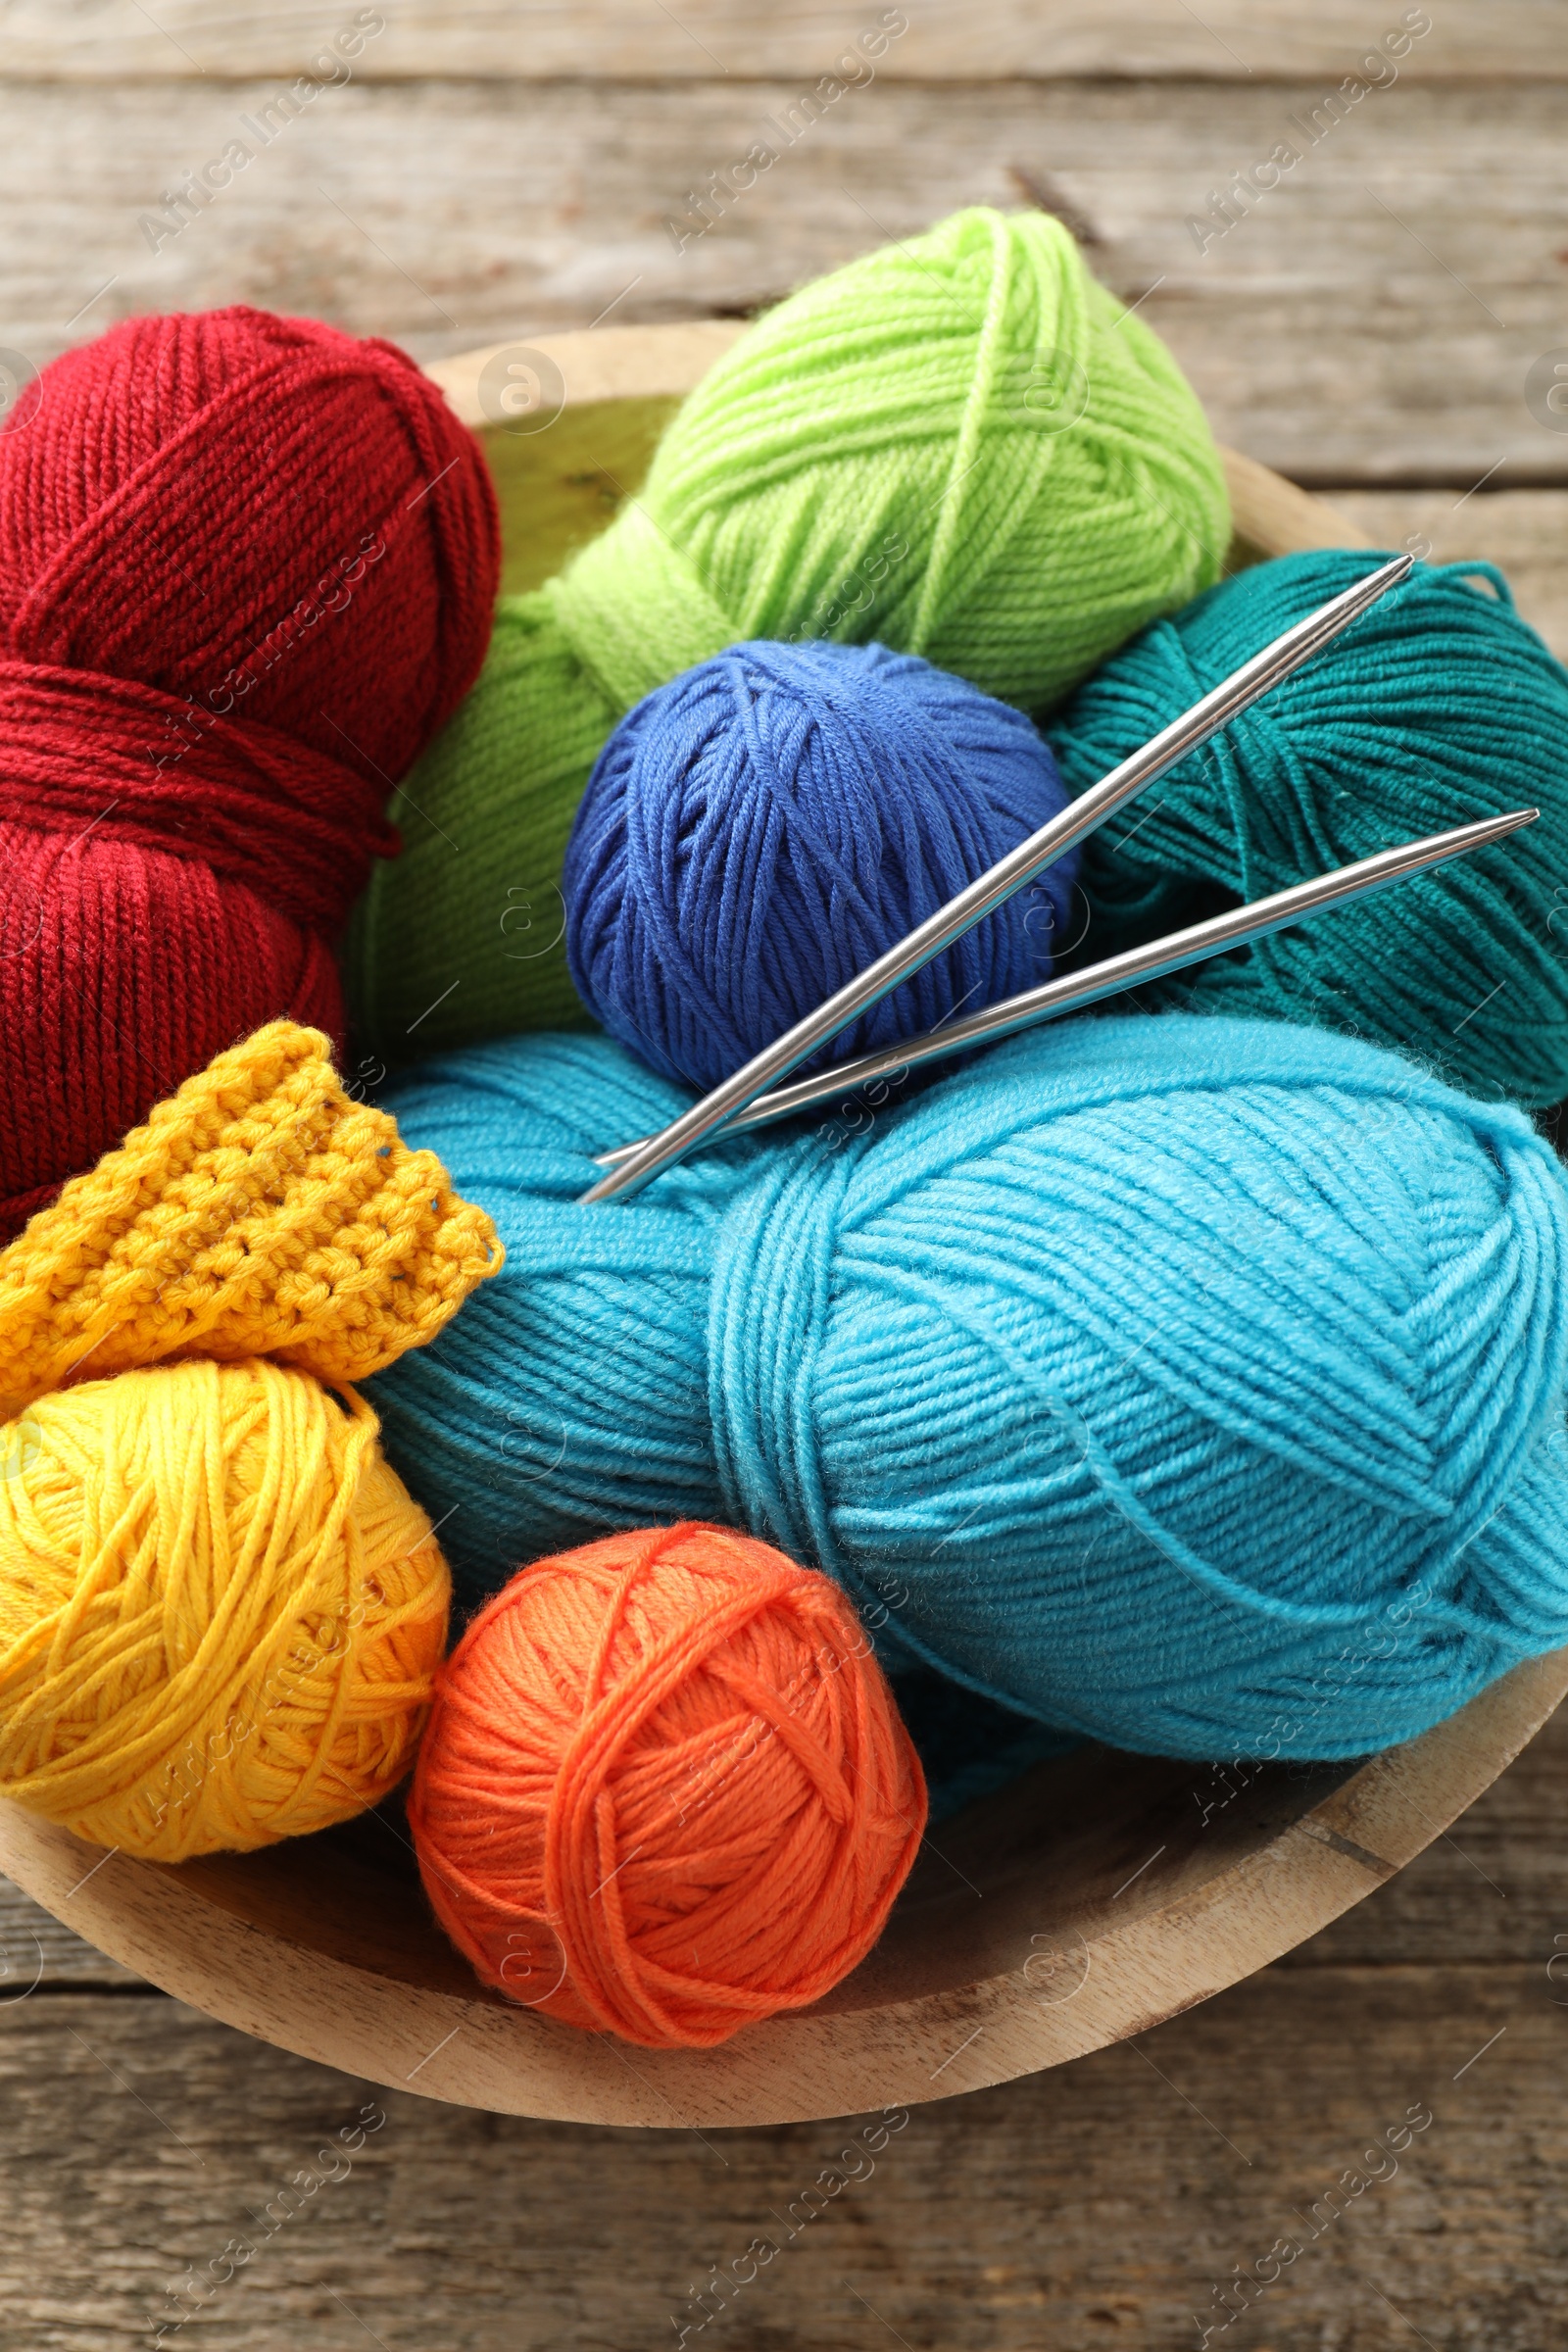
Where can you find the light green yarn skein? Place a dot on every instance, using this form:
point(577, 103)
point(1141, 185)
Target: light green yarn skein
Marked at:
point(962, 447)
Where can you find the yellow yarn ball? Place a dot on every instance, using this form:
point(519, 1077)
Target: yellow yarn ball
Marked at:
point(220, 1612)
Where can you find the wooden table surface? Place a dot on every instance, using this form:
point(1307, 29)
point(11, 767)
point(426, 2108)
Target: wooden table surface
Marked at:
point(1381, 325)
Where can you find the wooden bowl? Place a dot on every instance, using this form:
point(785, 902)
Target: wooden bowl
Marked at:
point(1093, 1898)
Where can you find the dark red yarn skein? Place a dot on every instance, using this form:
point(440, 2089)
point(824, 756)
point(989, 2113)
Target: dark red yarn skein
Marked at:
point(247, 569)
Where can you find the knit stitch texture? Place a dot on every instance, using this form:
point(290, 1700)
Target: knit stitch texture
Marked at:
point(258, 1212)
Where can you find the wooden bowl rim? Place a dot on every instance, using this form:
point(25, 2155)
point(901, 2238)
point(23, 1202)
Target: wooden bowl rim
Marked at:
point(1260, 1861)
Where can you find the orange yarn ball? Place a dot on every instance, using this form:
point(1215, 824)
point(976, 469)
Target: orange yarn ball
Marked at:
point(666, 1790)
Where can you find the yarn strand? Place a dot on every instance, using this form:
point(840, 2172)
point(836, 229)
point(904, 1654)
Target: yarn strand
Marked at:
point(665, 1791)
point(884, 458)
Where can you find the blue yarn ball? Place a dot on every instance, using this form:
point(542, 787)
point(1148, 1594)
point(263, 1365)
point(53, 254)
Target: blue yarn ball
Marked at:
point(759, 830)
point(1192, 1384)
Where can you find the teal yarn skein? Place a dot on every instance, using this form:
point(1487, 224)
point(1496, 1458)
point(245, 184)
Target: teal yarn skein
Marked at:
point(1191, 1384)
point(1438, 706)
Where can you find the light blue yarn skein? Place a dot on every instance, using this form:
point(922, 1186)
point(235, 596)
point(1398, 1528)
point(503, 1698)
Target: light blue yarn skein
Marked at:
point(1191, 1384)
point(761, 829)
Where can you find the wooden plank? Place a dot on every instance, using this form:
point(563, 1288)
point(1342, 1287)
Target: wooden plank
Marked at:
point(113, 40)
point(1371, 320)
point(1100, 2205)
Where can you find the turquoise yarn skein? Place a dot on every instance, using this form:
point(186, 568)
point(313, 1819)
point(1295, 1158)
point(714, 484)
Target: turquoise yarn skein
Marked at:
point(1439, 706)
point(1191, 1384)
point(759, 830)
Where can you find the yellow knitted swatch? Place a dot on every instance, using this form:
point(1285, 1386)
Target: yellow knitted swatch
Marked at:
point(220, 1612)
point(258, 1212)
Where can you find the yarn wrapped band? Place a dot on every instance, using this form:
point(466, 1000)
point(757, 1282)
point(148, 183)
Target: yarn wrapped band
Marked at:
point(1438, 706)
point(758, 831)
point(246, 572)
point(665, 1790)
point(960, 447)
point(1192, 1384)
point(293, 827)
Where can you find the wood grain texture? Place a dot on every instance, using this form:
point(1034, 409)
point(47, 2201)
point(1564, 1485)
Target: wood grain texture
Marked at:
point(39, 1952)
point(1090, 2208)
point(1373, 318)
point(1022, 1955)
point(1495, 1888)
point(104, 40)
point(1025, 1956)
point(1094, 2208)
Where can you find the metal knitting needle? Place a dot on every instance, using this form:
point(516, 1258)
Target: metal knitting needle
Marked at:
point(1233, 695)
point(1153, 961)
